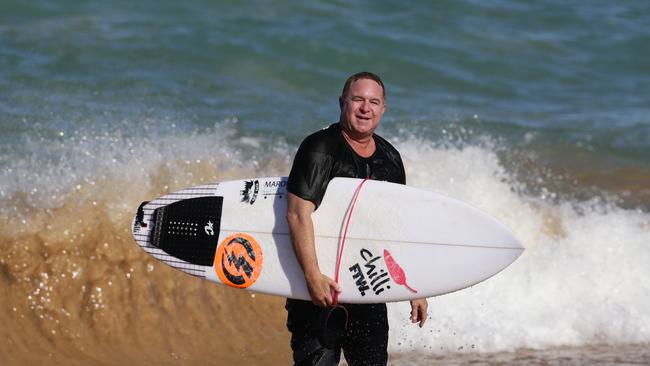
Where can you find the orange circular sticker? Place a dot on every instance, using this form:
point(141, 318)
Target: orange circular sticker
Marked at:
point(238, 261)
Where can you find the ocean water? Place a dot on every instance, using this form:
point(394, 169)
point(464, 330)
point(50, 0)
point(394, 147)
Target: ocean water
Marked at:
point(537, 113)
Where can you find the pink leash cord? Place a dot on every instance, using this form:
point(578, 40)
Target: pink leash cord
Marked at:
point(335, 295)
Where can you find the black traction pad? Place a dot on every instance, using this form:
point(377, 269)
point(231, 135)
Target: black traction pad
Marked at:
point(189, 229)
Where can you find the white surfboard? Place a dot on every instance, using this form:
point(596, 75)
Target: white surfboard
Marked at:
point(402, 243)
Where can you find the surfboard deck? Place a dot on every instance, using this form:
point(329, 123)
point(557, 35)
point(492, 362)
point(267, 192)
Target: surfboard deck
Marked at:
point(402, 243)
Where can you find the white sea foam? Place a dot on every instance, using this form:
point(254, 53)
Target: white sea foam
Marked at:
point(54, 168)
point(583, 279)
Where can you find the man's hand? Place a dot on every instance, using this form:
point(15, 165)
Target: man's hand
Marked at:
point(419, 311)
point(321, 289)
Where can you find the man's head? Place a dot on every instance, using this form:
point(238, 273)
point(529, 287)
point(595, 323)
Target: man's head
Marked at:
point(363, 103)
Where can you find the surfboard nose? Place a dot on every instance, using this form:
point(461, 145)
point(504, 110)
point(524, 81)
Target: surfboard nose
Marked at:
point(512, 242)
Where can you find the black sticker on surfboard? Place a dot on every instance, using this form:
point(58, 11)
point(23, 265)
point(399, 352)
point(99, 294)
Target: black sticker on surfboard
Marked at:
point(189, 229)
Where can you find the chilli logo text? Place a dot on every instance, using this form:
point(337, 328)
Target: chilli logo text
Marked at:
point(367, 274)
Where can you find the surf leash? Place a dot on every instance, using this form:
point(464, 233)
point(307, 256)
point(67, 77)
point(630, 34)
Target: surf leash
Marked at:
point(335, 295)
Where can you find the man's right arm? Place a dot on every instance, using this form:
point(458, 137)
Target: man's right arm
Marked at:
point(301, 228)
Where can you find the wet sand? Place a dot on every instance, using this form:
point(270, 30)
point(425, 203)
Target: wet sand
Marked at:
point(635, 354)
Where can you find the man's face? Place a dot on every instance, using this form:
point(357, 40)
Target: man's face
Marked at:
point(362, 107)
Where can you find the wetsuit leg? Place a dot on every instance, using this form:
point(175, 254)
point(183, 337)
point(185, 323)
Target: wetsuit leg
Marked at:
point(366, 340)
point(307, 350)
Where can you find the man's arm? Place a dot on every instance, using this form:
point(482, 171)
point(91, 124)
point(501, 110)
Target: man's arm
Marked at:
point(301, 228)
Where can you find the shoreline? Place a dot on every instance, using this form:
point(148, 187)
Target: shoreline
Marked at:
point(609, 354)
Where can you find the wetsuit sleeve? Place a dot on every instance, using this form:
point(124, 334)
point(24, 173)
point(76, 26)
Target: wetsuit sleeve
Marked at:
point(402, 178)
point(310, 173)
point(397, 173)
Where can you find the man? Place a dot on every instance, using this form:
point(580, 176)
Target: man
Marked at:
point(348, 148)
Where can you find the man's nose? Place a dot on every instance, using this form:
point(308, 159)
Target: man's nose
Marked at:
point(365, 106)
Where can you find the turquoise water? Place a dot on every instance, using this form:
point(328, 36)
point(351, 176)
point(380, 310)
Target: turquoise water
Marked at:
point(572, 73)
point(537, 113)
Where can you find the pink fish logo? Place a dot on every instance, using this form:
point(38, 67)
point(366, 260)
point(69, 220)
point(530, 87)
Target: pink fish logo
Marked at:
point(396, 272)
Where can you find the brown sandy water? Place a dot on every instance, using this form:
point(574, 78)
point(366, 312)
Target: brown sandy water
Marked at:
point(573, 174)
point(75, 289)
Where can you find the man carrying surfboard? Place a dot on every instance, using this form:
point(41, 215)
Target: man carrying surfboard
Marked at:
point(349, 148)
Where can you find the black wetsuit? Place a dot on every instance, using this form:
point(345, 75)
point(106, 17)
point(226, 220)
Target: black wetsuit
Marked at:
point(322, 156)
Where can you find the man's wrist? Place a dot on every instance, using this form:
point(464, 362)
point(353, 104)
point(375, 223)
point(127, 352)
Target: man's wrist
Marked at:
point(312, 274)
